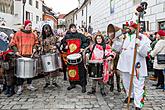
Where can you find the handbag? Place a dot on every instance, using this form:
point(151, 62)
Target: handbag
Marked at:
point(161, 58)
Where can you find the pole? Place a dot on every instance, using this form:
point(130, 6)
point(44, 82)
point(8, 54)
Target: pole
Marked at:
point(134, 61)
point(23, 18)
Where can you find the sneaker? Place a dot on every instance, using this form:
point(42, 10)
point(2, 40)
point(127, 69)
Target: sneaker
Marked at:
point(31, 88)
point(20, 90)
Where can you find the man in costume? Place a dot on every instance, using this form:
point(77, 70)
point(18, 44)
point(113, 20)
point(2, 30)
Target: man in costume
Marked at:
point(49, 46)
point(100, 53)
point(116, 38)
point(126, 60)
point(75, 42)
point(8, 73)
point(24, 44)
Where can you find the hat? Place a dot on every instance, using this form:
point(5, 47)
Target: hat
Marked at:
point(27, 22)
point(161, 33)
point(132, 24)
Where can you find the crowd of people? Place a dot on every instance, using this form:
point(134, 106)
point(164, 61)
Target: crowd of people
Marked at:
point(84, 54)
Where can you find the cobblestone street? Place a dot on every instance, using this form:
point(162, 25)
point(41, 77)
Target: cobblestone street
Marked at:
point(61, 99)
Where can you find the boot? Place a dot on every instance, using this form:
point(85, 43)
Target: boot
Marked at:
point(46, 85)
point(11, 91)
point(7, 90)
point(83, 89)
point(4, 87)
point(136, 108)
point(111, 87)
point(56, 85)
point(126, 100)
point(118, 88)
point(71, 87)
point(118, 82)
point(93, 91)
point(103, 92)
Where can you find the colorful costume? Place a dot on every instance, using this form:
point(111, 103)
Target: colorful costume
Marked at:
point(76, 73)
point(125, 66)
point(8, 75)
point(23, 42)
point(99, 52)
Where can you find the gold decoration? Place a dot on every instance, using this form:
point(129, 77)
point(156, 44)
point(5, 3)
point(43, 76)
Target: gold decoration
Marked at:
point(72, 47)
point(72, 73)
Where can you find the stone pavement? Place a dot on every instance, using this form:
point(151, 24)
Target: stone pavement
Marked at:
point(61, 99)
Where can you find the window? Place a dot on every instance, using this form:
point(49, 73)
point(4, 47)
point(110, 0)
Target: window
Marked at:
point(89, 19)
point(82, 12)
point(162, 25)
point(37, 19)
point(112, 6)
point(27, 15)
point(30, 2)
point(36, 4)
point(7, 6)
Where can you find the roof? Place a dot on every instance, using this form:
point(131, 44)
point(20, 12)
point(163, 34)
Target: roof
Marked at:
point(71, 12)
point(82, 5)
point(61, 16)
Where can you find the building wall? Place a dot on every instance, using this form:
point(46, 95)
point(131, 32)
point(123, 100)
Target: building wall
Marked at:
point(81, 19)
point(16, 19)
point(34, 11)
point(69, 19)
point(99, 10)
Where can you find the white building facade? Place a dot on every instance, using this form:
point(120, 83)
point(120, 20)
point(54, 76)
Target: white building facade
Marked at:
point(32, 11)
point(99, 13)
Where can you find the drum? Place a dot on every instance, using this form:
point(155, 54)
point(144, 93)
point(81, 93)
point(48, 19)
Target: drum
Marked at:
point(26, 67)
point(51, 62)
point(74, 59)
point(95, 69)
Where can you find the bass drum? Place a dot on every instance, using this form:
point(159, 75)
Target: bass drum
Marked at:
point(51, 62)
point(26, 67)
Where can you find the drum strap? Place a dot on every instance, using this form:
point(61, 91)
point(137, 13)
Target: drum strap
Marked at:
point(94, 48)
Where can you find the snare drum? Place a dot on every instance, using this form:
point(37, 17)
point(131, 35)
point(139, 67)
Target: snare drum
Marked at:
point(74, 59)
point(95, 69)
point(51, 62)
point(26, 68)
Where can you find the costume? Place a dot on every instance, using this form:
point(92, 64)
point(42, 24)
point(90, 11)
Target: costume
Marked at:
point(99, 52)
point(76, 73)
point(125, 66)
point(24, 42)
point(116, 44)
point(49, 47)
point(8, 66)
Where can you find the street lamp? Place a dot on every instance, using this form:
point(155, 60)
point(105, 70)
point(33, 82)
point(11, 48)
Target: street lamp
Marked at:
point(23, 1)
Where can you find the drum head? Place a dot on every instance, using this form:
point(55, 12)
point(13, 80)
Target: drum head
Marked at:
point(25, 59)
point(74, 56)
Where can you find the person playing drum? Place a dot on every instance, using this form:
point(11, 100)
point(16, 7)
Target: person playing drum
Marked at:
point(74, 43)
point(100, 53)
point(24, 44)
point(49, 47)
